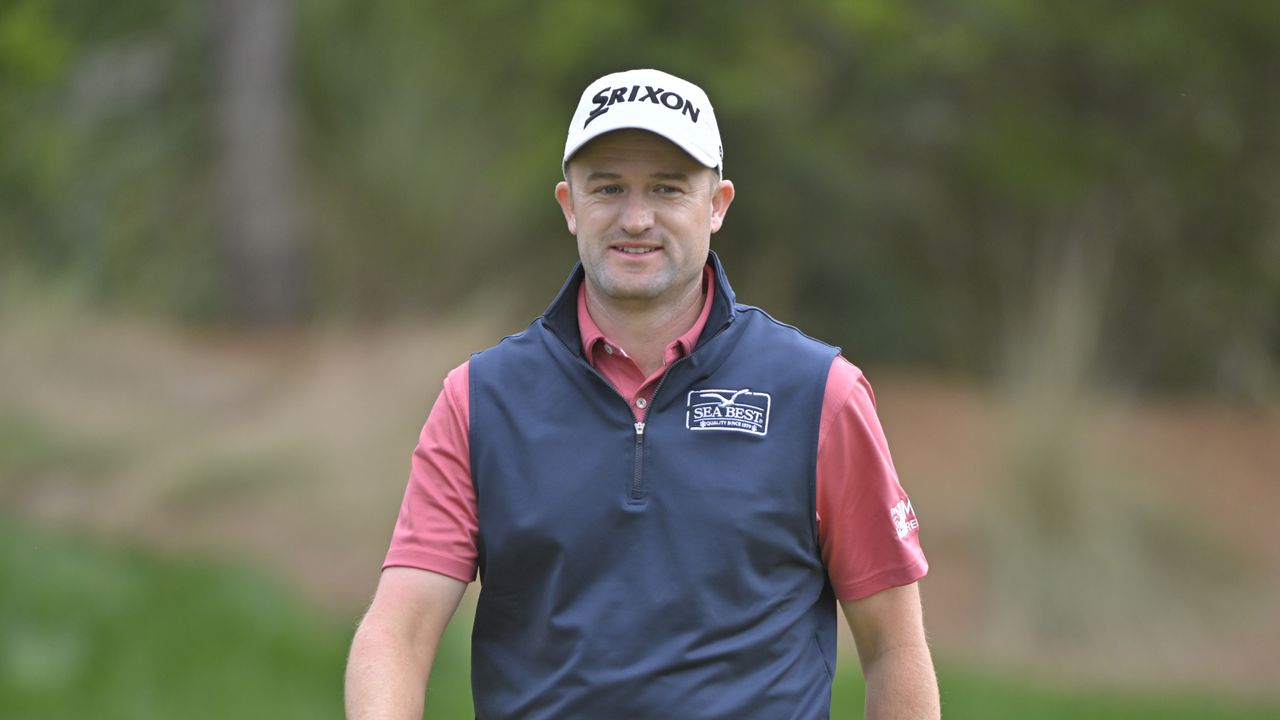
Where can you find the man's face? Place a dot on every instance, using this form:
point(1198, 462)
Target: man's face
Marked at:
point(643, 212)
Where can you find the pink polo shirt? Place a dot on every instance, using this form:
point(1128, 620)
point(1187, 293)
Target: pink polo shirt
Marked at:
point(867, 529)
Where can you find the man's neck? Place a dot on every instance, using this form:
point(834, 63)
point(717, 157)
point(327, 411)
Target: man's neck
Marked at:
point(644, 330)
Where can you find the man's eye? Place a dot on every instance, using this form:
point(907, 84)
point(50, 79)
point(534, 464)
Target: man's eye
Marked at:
point(608, 190)
point(667, 190)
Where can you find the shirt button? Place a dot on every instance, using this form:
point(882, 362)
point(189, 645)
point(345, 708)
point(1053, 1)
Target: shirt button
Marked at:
point(608, 349)
point(641, 402)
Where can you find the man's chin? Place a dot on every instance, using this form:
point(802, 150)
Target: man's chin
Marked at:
point(631, 294)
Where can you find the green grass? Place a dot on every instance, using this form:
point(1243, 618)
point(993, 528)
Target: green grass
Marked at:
point(88, 631)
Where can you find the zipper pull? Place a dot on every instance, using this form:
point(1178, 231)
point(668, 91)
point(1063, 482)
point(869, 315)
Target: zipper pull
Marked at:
point(640, 429)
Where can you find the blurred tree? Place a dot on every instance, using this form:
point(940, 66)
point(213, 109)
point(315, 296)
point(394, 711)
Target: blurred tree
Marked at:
point(256, 117)
point(911, 175)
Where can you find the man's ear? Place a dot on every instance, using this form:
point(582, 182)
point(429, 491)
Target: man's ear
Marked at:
point(565, 198)
point(721, 197)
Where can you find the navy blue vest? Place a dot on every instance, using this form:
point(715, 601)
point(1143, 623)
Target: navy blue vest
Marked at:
point(661, 569)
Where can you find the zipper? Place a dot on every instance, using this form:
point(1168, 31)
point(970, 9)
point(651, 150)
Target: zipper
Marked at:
point(637, 478)
point(636, 494)
point(637, 483)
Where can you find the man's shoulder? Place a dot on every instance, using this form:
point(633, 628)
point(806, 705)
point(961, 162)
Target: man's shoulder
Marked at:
point(781, 332)
point(522, 354)
point(515, 342)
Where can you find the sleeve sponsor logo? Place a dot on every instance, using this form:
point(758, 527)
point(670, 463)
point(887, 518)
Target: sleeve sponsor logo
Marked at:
point(734, 410)
point(904, 518)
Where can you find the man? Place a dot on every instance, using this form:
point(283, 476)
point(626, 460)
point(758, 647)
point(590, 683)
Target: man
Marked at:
point(665, 493)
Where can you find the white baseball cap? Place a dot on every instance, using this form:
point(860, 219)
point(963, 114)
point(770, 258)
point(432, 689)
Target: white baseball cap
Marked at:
point(649, 100)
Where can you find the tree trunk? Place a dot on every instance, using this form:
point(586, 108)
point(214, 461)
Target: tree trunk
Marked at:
point(257, 139)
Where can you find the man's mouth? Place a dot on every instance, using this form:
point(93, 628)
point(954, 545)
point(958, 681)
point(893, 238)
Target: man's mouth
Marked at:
point(635, 249)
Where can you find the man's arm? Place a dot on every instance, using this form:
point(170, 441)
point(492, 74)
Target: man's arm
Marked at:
point(396, 643)
point(889, 631)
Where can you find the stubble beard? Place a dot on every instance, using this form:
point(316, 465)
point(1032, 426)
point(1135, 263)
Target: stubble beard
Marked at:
point(622, 287)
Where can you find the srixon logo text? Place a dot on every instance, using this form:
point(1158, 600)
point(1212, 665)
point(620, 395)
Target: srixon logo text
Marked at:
point(608, 97)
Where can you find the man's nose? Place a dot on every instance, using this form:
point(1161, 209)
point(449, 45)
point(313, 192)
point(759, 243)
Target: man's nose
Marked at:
point(637, 216)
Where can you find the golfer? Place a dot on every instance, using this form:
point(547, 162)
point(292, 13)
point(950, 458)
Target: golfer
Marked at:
point(665, 493)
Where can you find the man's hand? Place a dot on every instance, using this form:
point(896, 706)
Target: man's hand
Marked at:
point(395, 645)
point(889, 632)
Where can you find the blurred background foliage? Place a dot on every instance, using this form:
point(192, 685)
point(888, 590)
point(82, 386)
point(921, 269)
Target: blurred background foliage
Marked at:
point(241, 241)
point(913, 176)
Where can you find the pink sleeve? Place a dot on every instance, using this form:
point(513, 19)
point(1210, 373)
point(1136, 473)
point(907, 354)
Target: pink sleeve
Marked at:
point(437, 526)
point(867, 528)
